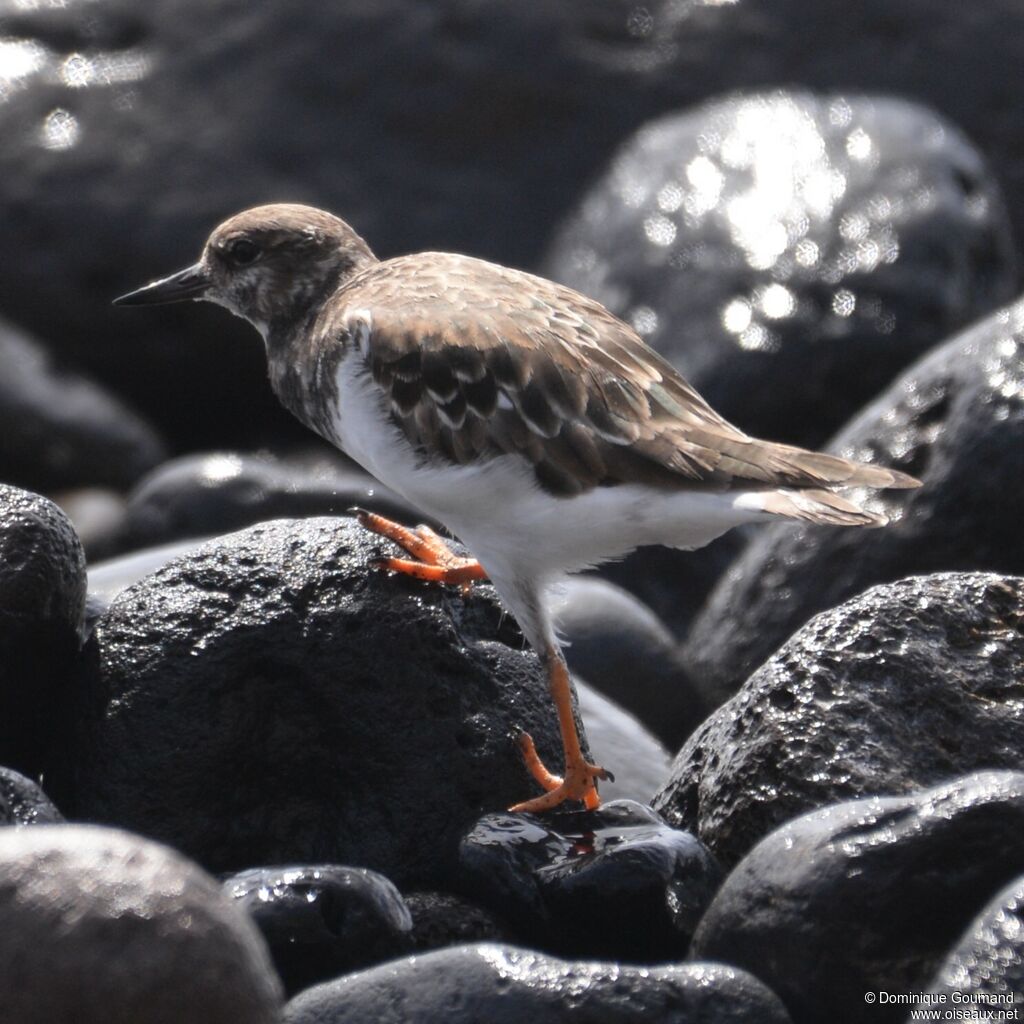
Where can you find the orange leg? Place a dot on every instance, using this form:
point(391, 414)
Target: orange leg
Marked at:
point(435, 561)
point(580, 780)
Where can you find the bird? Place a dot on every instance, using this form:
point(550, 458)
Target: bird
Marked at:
point(525, 417)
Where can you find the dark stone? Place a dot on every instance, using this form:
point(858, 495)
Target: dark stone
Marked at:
point(613, 883)
point(902, 687)
point(638, 761)
point(101, 927)
point(985, 969)
point(22, 802)
point(216, 492)
point(441, 919)
point(121, 120)
point(867, 896)
point(59, 429)
point(789, 253)
point(107, 579)
point(506, 985)
point(627, 653)
point(955, 420)
point(42, 599)
point(323, 920)
point(268, 698)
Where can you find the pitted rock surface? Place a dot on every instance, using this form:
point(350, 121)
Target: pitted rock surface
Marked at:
point(269, 698)
point(955, 420)
point(907, 685)
point(42, 607)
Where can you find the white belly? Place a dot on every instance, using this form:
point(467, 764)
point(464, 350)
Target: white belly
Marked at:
point(501, 514)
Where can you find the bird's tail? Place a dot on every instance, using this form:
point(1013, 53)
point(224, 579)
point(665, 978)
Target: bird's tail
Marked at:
point(816, 506)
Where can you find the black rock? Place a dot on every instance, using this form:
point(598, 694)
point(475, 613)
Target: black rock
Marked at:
point(42, 600)
point(101, 927)
point(955, 420)
point(506, 985)
point(626, 652)
point(202, 495)
point(108, 578)
point(613, 883)
point(623, 745)
point(908, 684)
point(22, 802)
point(867, 896)
point(268, 698)
point(441, 919)
point(791, 252)
point(323, 920)
point(59, 429)
point(985, 969)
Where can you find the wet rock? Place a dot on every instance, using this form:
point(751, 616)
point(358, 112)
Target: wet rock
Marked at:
point(321, 921)
point(954, 420)
point(789, 252)
point(202, 495)
point(867, 896)
point(985, 969)
point(108, 578)
point(506, 985)
point(270, 699)
point(59, 429)
point(638, 761)
point(102, 927)
point(42, 597)
point(22, 802)
point(902, 687)
point(626, 652)
point(612, 883)
point(441, 919)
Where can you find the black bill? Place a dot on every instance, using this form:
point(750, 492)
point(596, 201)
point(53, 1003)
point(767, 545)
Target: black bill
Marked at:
point(190, 283)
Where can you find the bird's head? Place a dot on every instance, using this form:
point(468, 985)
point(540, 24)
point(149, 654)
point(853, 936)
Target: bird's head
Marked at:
point(270, 264)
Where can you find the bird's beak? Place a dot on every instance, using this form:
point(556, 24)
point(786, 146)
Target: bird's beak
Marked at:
point(191, 283)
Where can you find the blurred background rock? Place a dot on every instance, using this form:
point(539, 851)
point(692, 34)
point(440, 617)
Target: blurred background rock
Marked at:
point(130, 129)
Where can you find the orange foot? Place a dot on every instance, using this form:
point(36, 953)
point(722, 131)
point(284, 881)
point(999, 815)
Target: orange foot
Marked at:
point(579, 782)
point(435, 560)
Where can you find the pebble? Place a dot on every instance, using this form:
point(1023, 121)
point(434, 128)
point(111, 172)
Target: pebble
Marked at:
point(101, 927)
point(615, 883)
point(867, 896)
point(323, 920)
point(507, 985)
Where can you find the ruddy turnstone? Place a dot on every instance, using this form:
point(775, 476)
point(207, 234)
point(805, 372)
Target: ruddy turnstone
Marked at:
point(528, 419)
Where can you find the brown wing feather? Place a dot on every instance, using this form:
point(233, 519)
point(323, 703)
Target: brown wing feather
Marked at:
point(473, 370)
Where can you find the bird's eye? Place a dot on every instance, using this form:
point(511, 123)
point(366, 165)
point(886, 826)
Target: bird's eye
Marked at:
point(243, 251)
